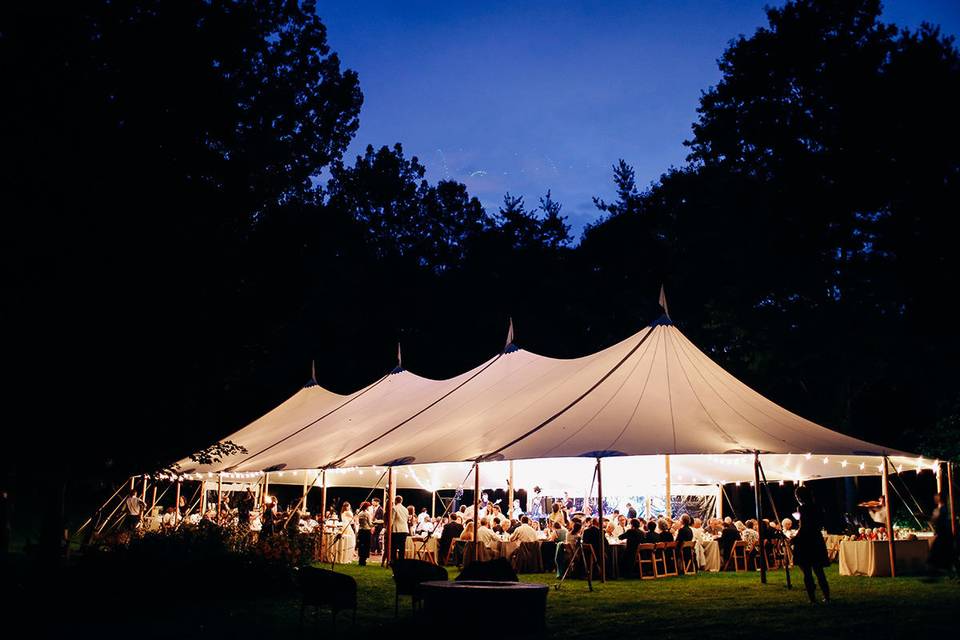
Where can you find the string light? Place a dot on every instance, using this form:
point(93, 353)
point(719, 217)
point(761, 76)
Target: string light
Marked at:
point(826, 460)
point(863, 465)
point(843, 464)
point(808, 456)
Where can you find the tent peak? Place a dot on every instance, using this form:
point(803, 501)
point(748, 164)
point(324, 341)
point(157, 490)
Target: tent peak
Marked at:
point(312, 382)
point(663, 302)
point(509, 347)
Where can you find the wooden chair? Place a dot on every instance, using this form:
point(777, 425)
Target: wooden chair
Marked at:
point(670, 558)
point(408, 574)
point(687, 557)
point(659, 560)
point(774, 554)
point(738, 556)
point(321, 587)
point(645, 557)
point(527, 558)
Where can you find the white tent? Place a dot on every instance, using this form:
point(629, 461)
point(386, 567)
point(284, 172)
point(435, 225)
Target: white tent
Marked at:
point(646, 397)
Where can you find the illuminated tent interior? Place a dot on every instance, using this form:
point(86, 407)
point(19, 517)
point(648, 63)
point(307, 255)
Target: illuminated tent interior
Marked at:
point(650, 405)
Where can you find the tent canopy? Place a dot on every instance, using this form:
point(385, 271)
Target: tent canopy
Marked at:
point(651, 394)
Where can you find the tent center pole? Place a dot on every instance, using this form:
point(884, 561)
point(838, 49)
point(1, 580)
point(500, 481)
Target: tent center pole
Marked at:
point(889, 507)
point(510, 513)
point(603, 533)
point(668, 506)
point(718, 508)
point(387, 557)
point(476, 508)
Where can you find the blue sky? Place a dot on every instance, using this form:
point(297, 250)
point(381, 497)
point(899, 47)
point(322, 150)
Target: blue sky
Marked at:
point(526, 96)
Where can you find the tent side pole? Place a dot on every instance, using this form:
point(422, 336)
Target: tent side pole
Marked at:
point(219, 494)
point(647, 513)
point(306, 489)
point(153, 500)
point(886, 502)
point(510, 493)
point(953, 517)
point(668, 506)
point(762, 552)
point(266, 486)
point(176, 505)
point(718, 507)
point(388, 520)
point(323, 512)
point(433, 503)
point(203, 497)
point(940, 479)
point(603, 533)
point(143, 495)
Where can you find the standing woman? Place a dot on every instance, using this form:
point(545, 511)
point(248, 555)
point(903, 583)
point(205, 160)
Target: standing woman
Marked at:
point(364, 533)
point(809, 548)
point(348, 540)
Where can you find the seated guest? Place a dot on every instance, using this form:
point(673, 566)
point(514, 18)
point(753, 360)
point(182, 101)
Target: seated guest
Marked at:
point(750, 534)
point(593, 536)
point(557, 533)
point(728, 537)
point(576, 530)
point(497, 525)
point(634, 537)
point(486, 536)
point(467, 533)
point(665, 534)
point(451, 531)
point(524, 532)
point(652, 537)
point(697, 528)
point(684, 534)
point(787, 529)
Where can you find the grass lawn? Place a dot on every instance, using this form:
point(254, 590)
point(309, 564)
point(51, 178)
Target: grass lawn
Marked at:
point(687, 607)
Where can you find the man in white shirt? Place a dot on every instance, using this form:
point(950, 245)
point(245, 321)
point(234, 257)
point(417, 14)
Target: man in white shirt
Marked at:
point(524, 533)
point(486, 536)
point(399, 530)
point(134, 507)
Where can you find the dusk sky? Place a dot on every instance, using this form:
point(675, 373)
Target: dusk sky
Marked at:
point(536, 95)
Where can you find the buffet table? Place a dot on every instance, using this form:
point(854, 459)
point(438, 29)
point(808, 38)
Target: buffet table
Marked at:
point(872, 558)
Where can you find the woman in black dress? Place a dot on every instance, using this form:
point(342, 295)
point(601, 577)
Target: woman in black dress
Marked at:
point(809, 548)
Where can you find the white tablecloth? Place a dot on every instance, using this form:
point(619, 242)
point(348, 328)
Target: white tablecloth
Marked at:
point(872, 558)
point(711, 555)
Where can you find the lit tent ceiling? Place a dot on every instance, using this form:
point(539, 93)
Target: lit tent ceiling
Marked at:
point(651, 394)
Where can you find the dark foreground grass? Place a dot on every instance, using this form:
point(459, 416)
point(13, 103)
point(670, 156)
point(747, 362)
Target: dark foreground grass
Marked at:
point(682, 607)
point(692, 606)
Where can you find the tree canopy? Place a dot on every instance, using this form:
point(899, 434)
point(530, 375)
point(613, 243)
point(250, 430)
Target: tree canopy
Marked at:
point(184, 236)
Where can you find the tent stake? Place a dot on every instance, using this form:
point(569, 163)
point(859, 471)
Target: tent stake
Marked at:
point(668, 507)
point(603, 533)
point(756, 496)
point(886, 502)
